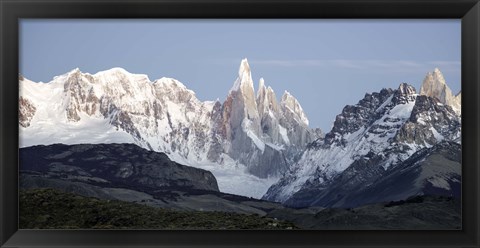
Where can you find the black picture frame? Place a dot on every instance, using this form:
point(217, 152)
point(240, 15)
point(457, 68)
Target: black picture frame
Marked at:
point(13, 10)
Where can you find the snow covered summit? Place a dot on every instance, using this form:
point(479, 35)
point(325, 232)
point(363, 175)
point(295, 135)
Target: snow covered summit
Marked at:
point(242, 134)
point(368, 141)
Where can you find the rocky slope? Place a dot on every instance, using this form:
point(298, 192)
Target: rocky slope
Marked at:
point(247, 129)
point(430, 171)
point(112, 165)
point(367, 142)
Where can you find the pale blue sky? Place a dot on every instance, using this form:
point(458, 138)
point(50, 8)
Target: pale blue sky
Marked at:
point(325, 64)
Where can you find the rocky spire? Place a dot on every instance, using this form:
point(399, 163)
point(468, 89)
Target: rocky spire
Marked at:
point(406, 89)
point(244, 81)
point(244, 91)
point(241, 104)
point(290, 103)
point(434, 85)
point(404, 94)
point(266, 99)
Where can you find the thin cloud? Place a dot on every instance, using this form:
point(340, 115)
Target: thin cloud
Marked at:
point(445, 63)
point(397, 65)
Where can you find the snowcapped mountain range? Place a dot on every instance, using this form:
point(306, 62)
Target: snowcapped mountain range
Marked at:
point(248, 138)
point(370, 141)
point(254, 142)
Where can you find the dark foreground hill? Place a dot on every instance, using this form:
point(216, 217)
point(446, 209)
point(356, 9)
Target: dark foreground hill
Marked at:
point(113, 165)
point(52, 209)
point(129, 173)
point(415, 213)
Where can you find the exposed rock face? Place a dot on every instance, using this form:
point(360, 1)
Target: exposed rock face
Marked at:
point(250, 129)
point(26, 112)
point(114, 164)
point(291, 104)
point(295, 121)
point(267, 101)
point(368, 141)
point(429, 123)
point(434, 85)
point(80, 99)
point(354, 117)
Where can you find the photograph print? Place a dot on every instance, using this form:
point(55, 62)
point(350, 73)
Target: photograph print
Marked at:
point(191, 124)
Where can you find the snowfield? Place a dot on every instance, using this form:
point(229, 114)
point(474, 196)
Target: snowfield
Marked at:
point(232, 177)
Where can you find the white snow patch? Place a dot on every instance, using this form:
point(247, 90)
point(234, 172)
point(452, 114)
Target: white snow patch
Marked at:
point(439, 182)
point(421, 121)
point(283, 133)
point(436, 134)
point(402, 111)
point(246, 124)
point(270, 113)
point(274, 146)
point(88, 130)
point(232, 177)
point(389, 100)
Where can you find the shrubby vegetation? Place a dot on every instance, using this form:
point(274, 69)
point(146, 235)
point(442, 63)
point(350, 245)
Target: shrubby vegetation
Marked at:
point(53, 209)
